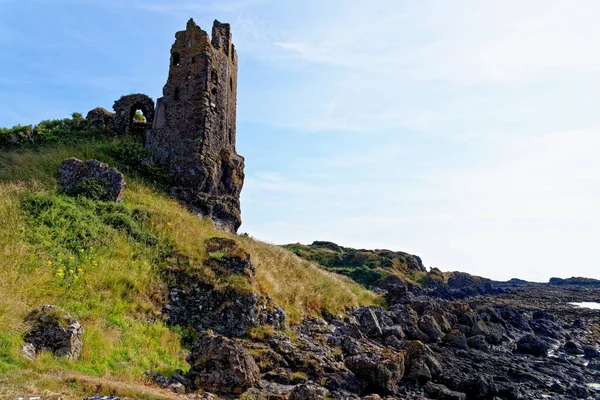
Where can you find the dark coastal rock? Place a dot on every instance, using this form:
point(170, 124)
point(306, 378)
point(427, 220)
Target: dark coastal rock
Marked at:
point(573, 347)
point(92, 179)
point(203, 307)
point(441, 392)
point(456, 338)
point(52, 329)
point(421, 365)
point(429, 326)
point(368, 321)
point(382, 371)
point(308, 392)
point(404, 315)
point(532, 344)
point(221, 365)
point(493, 333)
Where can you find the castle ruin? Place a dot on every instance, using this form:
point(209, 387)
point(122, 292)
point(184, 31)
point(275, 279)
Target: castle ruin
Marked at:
point(192, 129)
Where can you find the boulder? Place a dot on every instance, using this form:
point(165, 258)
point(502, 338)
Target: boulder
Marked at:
point(218, 364)
point(493, 333)
point(441, 392)
point(573, 347)
point(368, 321)
point(404, 314)
point(381, 371)
point(92, 179)
point(308, 392)
point(429, 326)
point(478, 342)
point(532, 344)
point(52, 329)
point(421, 365)
point(455, 338)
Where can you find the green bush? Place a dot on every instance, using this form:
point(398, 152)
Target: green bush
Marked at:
point(92, 189)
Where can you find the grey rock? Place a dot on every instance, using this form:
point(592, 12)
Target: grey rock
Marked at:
point(381, 370)
point(308, 392)
point(91, 178)
point(368, 321)
point(221, 365)
point(52, 329)
point(532, 344)
point(441, 392)
point(429, 326)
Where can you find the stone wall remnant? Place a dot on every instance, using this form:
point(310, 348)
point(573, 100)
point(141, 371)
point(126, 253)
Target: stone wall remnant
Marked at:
point(125, 109)
point(194, 132)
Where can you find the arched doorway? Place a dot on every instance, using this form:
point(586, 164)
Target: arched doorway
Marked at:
point(134, 114)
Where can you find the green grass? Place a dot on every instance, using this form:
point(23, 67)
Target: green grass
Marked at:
point(367, 267)
point(103, 263)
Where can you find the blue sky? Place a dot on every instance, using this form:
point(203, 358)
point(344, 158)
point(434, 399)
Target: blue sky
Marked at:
point(463, 131)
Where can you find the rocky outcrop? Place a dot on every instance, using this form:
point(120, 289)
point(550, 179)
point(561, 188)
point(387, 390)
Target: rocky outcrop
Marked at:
point(221, 365)
point(92, 179)
point(308, 392)
point(227, 310)
point(52, 329)
point(202, 306)
point(532, 344)
point(382, 371)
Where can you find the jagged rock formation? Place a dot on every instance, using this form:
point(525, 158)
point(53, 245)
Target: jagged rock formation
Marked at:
point(91, 178)
point(53, 330)
point(194, 130)
point(221, 365)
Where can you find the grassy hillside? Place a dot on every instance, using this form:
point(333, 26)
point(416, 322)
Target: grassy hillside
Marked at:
point(367, 267)
point(103, 263)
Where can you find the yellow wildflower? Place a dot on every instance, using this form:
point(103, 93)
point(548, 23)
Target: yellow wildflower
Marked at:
point(49, 262)
point(169, 224)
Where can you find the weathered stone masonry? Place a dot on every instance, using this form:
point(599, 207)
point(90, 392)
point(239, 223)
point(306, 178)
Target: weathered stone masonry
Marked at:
point(194, 125)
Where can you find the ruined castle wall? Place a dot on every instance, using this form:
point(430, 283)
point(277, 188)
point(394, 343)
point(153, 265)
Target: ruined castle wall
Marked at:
point(194, 129)
point(199, 98)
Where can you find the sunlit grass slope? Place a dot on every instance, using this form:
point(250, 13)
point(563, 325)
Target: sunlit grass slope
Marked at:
point(103, 263)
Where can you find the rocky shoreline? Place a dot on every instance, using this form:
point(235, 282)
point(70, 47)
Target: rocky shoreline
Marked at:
point(512, 340)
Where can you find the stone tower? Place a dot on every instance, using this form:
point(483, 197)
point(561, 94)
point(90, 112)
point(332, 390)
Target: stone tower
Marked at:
point(193, 131)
